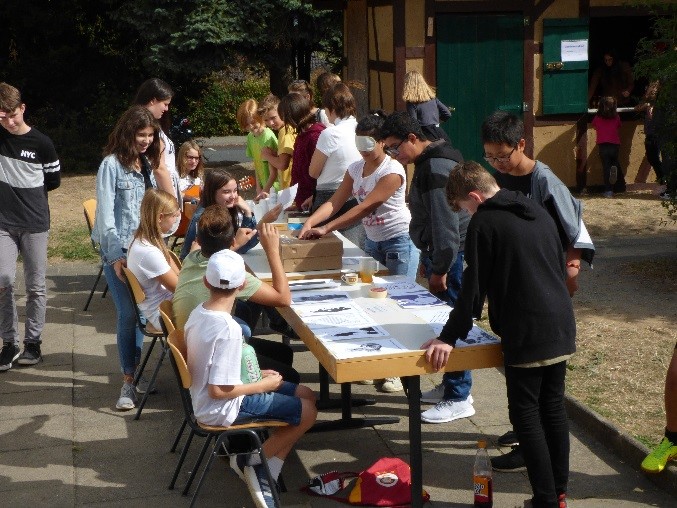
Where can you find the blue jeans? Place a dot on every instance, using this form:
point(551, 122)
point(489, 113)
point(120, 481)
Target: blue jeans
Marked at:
point(129, 337)
point(398, 254)
point(280, 405)
point(457, 384)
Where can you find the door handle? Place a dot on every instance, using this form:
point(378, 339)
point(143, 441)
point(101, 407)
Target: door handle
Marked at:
point(554, 66)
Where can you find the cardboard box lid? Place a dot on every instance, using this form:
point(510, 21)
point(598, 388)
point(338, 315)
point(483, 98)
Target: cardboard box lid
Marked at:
point(292, 247)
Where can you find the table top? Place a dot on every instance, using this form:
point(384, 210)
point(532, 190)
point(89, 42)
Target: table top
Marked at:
point(403, 325)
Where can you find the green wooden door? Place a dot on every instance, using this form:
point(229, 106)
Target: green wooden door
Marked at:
point(479, 69)
point(565, 65)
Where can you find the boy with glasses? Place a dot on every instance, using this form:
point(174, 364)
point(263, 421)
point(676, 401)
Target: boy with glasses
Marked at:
point(439, 233)
point(504, 144)
point(30, 168)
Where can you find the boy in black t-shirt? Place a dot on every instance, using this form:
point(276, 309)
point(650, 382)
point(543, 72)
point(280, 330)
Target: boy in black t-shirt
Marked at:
point(29, 167)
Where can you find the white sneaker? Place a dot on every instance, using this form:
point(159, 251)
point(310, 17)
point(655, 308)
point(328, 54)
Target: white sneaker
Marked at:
point(127, 398)
point(433, 396)
point(447, 411)
point(437, 395)
point(390, 385)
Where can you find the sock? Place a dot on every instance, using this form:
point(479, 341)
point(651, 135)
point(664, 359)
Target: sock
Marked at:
point(253, 460)
point(275, 465)
point(672, 436)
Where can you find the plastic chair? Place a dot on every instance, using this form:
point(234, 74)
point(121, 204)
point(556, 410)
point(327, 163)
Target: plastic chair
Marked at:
point(218, 435)
point(89, 207)
point(137, 295)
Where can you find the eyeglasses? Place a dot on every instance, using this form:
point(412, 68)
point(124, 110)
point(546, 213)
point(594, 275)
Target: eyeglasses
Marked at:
point(393, 151)
point(193, 157)
point(500, 160)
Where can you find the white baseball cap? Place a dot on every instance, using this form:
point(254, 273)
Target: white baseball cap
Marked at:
point(225, 270)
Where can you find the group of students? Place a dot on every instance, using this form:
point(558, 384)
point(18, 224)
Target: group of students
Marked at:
point(457, 213)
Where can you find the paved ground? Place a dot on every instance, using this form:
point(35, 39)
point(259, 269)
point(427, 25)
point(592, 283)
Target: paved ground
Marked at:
point(63, 444)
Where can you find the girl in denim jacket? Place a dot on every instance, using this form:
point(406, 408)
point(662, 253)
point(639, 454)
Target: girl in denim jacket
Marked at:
point(132, 154)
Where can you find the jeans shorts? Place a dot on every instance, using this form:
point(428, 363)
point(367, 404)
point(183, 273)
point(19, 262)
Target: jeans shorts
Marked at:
point(281, 405)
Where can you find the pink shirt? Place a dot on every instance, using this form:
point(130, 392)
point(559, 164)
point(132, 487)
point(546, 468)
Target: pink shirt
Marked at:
point(608, 129)
point(304, 146)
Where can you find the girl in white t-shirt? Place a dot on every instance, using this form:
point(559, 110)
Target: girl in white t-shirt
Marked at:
point(148, 257)
point(378, 184)
point(334, 152)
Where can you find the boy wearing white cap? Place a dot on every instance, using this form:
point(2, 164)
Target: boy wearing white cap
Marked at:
point(214, 357)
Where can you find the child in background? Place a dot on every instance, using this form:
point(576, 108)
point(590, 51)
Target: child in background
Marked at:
point(214, 357)
point(424, 106)
point(280, 159)
point(190, 167)
point(607, 126)
point(303, 87)
point(259, 136)
point(324, 82)
point(296, 111)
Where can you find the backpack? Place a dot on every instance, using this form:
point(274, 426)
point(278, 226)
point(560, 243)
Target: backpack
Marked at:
point(387, 482)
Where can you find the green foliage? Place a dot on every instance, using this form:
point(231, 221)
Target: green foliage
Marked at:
point(657, 61)
point(213, 112)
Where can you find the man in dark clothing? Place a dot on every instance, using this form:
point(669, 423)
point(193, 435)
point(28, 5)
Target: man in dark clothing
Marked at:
point(439, 233)
point(514, 257)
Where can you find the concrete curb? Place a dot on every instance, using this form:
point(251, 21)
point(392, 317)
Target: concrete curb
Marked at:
point(620, 443)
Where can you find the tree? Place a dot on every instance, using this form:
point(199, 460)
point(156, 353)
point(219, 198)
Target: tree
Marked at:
point(657, 61)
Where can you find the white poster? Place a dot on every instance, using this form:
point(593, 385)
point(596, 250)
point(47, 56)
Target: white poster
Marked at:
point(574, 50)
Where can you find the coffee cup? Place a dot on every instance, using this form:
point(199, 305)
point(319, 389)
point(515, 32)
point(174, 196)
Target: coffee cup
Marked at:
point(350, 278)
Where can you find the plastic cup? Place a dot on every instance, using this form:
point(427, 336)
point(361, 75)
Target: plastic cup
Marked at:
point(368, 267)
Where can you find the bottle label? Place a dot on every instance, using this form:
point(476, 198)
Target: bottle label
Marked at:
point(482, 488)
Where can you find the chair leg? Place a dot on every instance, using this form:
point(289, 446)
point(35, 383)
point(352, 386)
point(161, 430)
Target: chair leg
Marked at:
point(105, 290)
point(182, 458)
point(141, 368)
point(196, 467)
point(151, 383)
point(91, 293)
point(178, 436)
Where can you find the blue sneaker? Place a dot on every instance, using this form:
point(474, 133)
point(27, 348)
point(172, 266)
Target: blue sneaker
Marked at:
point(259, 486)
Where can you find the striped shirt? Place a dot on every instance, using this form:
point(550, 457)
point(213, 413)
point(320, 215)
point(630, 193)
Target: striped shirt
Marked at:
point(29, 167)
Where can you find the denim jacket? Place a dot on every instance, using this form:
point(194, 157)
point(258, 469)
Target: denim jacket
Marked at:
point(119, 192)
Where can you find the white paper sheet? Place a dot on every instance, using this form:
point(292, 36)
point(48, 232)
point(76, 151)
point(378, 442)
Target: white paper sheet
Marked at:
point(308, 297)
point(308, 284)
point(574, 50)
point(286, 196)
point(476, 336)
point(362, 348)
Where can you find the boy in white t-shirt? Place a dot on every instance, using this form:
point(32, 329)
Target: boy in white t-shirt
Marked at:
point(214, 356)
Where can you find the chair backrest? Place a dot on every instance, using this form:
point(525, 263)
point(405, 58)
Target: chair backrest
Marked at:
point(89, 208)
point(176, 259)
point(137, 292)
point(177, 344)
point(166, 313)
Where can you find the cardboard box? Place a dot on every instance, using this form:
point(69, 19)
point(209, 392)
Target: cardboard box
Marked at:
point(325, 253)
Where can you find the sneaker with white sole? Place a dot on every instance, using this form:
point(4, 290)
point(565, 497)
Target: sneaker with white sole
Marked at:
point(30, 355)
point(259, 486)
point(437, 395)
point(433, 396)
point(127, 398)
point(8, 356)
point(389, 385)
point(447, 411)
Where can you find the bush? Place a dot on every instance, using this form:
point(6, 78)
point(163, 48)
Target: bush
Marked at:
point(213, 112)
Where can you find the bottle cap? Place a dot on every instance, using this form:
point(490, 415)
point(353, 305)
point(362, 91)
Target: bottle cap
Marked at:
point(481, 443)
